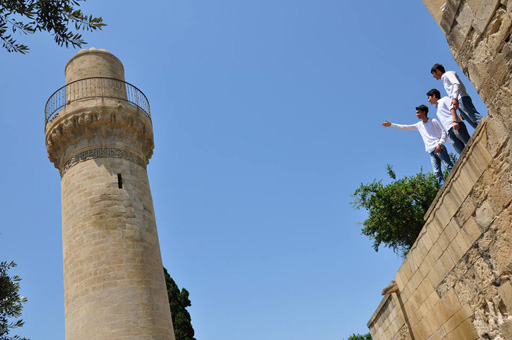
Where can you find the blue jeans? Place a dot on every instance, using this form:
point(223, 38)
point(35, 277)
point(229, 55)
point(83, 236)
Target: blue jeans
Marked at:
point(459, 138)
point(469, 112)
point(436, 158)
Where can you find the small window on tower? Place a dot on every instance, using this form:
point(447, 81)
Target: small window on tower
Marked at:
point(119, 181)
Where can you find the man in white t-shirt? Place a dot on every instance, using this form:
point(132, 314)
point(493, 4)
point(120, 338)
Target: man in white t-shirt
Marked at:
point(434, 137)
point(456, 90)
point(446, 113)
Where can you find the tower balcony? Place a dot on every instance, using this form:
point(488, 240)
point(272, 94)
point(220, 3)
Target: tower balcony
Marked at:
point(95, 87)
point(90, 113)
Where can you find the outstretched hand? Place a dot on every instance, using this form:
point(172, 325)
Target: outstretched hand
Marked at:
point(386, 124)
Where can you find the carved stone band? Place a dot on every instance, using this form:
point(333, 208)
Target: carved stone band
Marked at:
point(101, 153)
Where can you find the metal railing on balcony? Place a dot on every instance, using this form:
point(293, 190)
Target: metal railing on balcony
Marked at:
point(95, 88)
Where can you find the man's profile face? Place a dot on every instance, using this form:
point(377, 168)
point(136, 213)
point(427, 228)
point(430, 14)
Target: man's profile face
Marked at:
point(420, 114)
point(437, 74)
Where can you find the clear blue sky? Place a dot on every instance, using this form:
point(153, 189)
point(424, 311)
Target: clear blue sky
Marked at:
point(266, 117)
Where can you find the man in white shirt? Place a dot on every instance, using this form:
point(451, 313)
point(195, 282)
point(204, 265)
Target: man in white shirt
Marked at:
point(457, 93)
point(447, 115)
point(434, 137)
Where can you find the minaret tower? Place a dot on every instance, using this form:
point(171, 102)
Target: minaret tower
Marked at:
point(99, 135)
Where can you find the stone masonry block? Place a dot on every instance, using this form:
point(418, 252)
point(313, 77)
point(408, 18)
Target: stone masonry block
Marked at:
point(436, 252)
point(455, 250)
point(463, 186)
point(427, 240)
point(484, 216)
point(467, 330)
point(445, 215)
point(451, 230)
point(448, 262)
point(484, 14)
point(481, 156)
point(466, 210)
point(427, 265)
point(463, 241)
point(422, 329)
point(472, 230)
point(433, 230)
point(453, 198)
point(405, 271)
point(444, 240)
point(450, 11)
point(458, 318)
point(474, 4)
point(505, 291)
point(441, 314)
point(437, 274)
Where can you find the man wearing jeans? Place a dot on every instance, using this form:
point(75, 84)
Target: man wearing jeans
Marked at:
point(434, 136)
point(457, 93)
point(447, 115)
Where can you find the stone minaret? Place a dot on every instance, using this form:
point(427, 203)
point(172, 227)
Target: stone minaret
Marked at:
point(99, 135)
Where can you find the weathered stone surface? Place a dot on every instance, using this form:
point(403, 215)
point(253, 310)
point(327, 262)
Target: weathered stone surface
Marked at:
point(467, 240)
point(484, 14)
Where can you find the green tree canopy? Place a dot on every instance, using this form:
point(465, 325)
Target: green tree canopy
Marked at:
point(396, 210)
point(53, 16)
point(11, 302)
point(179, 301)
point(366, 336)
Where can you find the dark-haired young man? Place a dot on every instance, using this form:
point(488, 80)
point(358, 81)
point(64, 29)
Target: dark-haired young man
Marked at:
point(434, 137)
point(447, 115)
point(457, 93)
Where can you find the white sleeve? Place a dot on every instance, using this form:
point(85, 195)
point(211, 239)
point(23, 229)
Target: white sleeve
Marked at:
point(404, 127)
point(442, 140)
point(454, 80)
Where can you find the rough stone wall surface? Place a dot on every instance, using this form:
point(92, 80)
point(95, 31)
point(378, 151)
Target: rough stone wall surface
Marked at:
point(456, 281)
point(114, 283)
point(113, 277)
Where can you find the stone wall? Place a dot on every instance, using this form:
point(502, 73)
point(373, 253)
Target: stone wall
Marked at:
point(456, 281)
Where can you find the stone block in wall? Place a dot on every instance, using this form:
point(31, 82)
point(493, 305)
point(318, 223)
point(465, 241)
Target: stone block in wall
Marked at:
point(441, 315)
point(458, 318)
point(463, 242)
point(506, 328)
point(472, 230)
point(466, 210)
point(466, 331)
point(450, 11)
point(461, 27)
point(445, 238)
point(484, 215)
point(495, 131)
point(474, 4)
point(484, 14)
point(500, 195)
point(423, 329)
point(505, 291)
point(501, 248)
point(437, 274)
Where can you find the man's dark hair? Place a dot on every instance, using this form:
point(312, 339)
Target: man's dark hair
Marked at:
point(437, 67)
point(422, 108)
point(435, 93)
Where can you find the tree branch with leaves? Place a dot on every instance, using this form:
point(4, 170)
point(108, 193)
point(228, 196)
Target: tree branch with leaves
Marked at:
point(11, 302)
point(53, 16)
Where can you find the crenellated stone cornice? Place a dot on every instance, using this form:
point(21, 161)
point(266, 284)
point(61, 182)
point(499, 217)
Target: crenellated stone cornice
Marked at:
point(98, 123)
